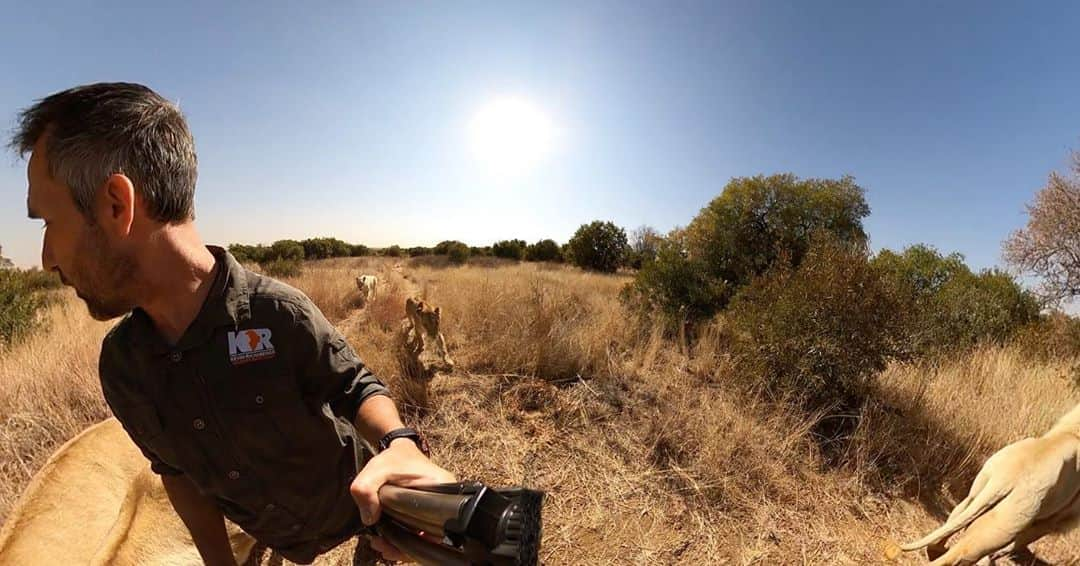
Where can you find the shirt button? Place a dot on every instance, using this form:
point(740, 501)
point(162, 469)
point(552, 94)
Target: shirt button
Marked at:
point(199, 424)
point(234, 475)
point(295, 528)
point(269, 507)
point(259, 399)
point(175, 357)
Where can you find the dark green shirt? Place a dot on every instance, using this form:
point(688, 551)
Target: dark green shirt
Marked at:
point(254, 404)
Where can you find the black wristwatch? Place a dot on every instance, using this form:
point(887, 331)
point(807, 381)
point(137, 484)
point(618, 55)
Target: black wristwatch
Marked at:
point(405, 432)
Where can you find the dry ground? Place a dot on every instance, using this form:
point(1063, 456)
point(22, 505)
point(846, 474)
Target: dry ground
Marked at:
point(646, 455)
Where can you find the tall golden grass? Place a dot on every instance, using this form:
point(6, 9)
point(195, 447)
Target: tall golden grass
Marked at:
point(49, 391)
point(647, 455)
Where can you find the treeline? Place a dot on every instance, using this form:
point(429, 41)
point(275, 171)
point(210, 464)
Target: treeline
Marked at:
point(600, 246)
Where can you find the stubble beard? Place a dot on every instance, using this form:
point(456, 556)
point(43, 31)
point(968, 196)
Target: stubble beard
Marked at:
point(106, 277)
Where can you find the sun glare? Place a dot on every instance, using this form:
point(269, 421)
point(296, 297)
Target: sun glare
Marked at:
point(511, 135)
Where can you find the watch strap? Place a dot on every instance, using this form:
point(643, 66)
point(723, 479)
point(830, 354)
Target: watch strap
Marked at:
point(405, 432)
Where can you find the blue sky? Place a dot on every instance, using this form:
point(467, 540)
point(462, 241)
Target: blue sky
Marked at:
point(352, 119)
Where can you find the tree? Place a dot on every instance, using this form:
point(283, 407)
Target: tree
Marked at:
point(758, 220)
point(509, 249)
point(755, 223)
point(457, 253)
point(544, 250)
point(317, 248)
point(675, 285)
point(1049, 246)
point(950, 306)
point(599, 246)
point(284, 249)
point(393, 251)
point(818, 334)
point(443, 247)
point(644, 244)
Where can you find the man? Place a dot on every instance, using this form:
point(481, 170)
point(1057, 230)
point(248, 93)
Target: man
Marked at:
point(245, 400)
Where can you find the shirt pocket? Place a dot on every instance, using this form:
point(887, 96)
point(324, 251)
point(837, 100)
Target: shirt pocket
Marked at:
point(270, 422)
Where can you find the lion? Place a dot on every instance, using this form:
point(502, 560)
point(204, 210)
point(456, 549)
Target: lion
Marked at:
point(1025, 491)
point(368, 286)
point(422, 349)
point(96, 502)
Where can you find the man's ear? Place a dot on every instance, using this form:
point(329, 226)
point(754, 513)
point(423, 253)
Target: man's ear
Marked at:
point(116, 204)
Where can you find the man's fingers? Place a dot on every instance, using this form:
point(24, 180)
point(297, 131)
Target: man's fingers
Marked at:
point(366, 494)
point(389, 551)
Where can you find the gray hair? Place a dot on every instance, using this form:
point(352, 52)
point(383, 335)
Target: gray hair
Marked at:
point(97, 130)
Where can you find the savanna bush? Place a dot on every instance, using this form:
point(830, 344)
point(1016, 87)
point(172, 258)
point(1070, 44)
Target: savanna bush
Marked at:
point(953, 307)
point(544, 250)
point(283, 267)
point(755, 223)
point(674, 285)
point(21, 297)
point(1055, 335)
point(816, 334)
point(457, 253)
point(509, 249)
point(599, 246)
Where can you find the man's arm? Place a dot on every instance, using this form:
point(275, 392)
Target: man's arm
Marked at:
point(377, 416)
point(202, 518)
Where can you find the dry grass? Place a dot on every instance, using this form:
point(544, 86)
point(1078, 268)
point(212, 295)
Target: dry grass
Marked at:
point(647, 456)
point(935, 424)
point(331, 284)
point(49, 391)
point(552, 322)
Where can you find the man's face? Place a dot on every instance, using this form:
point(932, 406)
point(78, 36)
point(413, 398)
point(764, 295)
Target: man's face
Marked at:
point(77, 247)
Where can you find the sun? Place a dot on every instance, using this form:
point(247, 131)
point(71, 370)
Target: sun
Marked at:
point(510, 135)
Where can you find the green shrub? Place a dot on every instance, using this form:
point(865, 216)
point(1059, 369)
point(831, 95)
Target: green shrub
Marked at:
point(443, 247)
point(22, 296)
point(359, 250)
point(817, 334)
point(674, 285)
point(417, 251)
point(321, 248)
point(952, 307)
point(245, 253)
point(285, 249)
point(600, 246)
point(509, 249)
point(393, 251)
point(283, 267)
point(1055, 335)
point(544, 250)
point(457, 253)
point(755, 223)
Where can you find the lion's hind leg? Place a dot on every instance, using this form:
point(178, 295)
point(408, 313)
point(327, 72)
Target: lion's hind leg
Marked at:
point(990, 534)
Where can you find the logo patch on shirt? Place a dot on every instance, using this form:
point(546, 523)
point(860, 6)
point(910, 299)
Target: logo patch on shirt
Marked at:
point(250, 346)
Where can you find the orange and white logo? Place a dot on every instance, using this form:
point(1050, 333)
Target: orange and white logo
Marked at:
point(250, 346)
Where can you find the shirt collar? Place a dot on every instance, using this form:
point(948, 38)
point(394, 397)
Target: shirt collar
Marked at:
point(227, 304)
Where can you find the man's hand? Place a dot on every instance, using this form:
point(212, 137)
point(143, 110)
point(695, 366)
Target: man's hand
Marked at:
point(402, 463)
point(203, 520)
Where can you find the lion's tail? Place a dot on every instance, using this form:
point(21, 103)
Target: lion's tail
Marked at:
point(975, 504)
